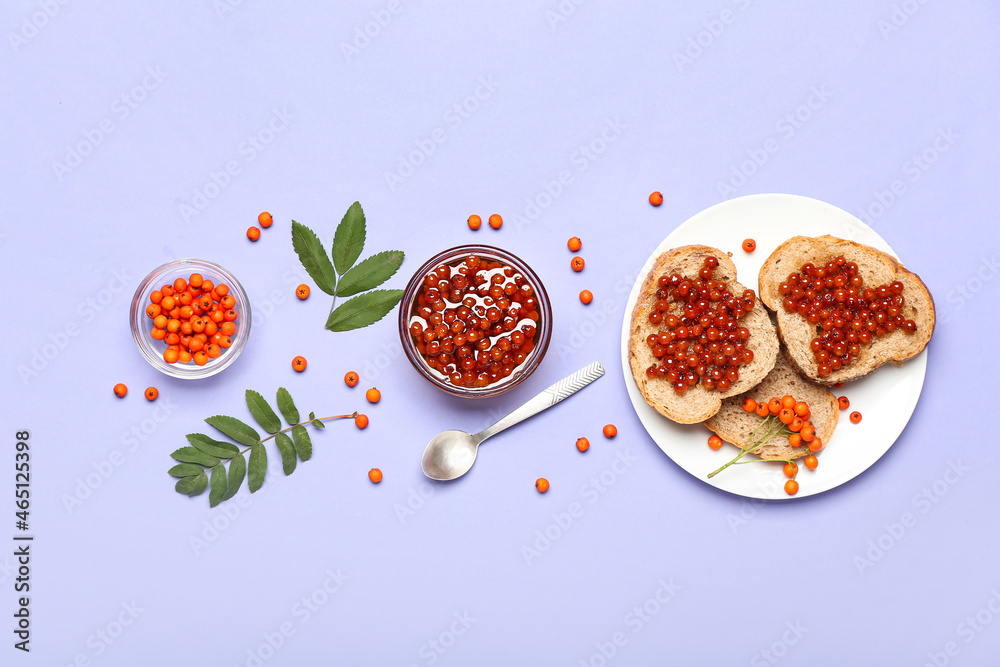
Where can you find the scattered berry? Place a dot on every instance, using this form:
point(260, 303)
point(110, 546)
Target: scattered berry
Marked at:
point(586, 296)
point(253, 233)
point(299, 363)
point(815, 445)
point(151, 393)
point(762, 409)
point(843, 402)
point(749, 245)
point(302, 291)
point(811, 462)
point(375, 475)
point(577, 263)
point(749, 404)
point(790, 470)
point(496, 221)
point(361, 421)
point(475, 222)
point(774, 406)
point(574, 244)
point(265, 219)
point(120, 390)
point(855, 417)
point(791, 487)
point(351, 379)
point(610, 431)
point(583, 444)
point(715, 442)
point(373, 395)
point(656, 198)
point(542, 484)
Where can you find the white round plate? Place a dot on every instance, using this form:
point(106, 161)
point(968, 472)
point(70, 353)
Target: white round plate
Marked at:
point(886, 398)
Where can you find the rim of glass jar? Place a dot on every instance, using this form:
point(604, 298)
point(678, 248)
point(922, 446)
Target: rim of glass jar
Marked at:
point(544, 331)
point(186, 372)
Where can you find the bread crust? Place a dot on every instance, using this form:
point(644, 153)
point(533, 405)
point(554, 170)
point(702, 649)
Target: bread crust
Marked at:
point(696, 404)
point(877, 268)
point(734, 424)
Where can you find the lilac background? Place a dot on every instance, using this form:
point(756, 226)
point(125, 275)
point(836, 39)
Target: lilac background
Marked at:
point(747, 572)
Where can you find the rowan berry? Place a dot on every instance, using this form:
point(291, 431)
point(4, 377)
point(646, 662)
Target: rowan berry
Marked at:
point(375, 475)
point(302, 291)
point(610, 431)
point(586, 296)
point(583, 444)
point(496, 221)
point(299, 363)
point(475, 222)
point(855, 417)
point(253, 233)
point(542, 484)
point(749, 404)
point(577, 263)
point(574, 244)
point(749, 245)
point(151, 393)
point(373, 395)
point(656, 198)
point(791, 487)
point(351, 379)
point(811, 462)
point(265, 219)
point(715, 442)
point(843, 402)
point(120, 390)
point(361, 421)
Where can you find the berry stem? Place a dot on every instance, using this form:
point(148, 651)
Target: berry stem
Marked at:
point(771, 426)
point(308, 421)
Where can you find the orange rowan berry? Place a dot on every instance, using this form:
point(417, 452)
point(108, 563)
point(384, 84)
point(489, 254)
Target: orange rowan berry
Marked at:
point(790, 470)
point(207, 286)
point(801, 408)
point(762, 409)
point(351, 379)
point(795, 440)
point(808, 432)
point(196, 280)
point(749, 245)
point(542, 484)
point(475, 222)
point(656, 198)
point(253, 233)
point(227, 328)
point(156, 296)
point(200, 358)
point(815, 445)
point(582, 444)
point(855, 417)
point(158, 334)
point(373, 395)
point(183, 356)
point(221, 289)
point(153, 310)
point(577, 263)
point(120, 390)
point(496, 221)
point(788, 402)
point(213, 351)
point(843, 403)
point(171, 356)
point(609, 431)
point(302, 291)
point(811, 462)
point(361, 421)
point(586, 296)
point(299, 363)
point(180, 285)
point(714, 442)
point(749, 404)
point(231, 315)
point(375, 475)
point(265, 219)
point(774, 406)
point(786, 415)
point(791, 487)
point(574, 244)
point(151, 393)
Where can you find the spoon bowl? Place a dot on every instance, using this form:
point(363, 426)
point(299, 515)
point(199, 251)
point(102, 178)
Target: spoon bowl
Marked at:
point(450, 454)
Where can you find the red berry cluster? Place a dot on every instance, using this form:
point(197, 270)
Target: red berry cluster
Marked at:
point(702, 341)
point(848, 315)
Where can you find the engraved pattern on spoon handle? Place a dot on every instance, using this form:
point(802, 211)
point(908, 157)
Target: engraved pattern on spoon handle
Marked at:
point(546, 399)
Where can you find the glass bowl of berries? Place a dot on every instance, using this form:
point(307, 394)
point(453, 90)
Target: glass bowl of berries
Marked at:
point(475, 321)
point(190, 318)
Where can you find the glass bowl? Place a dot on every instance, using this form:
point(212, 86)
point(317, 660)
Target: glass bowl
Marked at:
point(152, 349)
point(454, 258)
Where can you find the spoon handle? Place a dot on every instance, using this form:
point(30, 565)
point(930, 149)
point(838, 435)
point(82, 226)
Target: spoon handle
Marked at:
point(557, 392)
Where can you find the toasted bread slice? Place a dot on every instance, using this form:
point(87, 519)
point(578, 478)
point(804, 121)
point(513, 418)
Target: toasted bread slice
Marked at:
point(733, 424)
point(877, 268)
point(696, 404)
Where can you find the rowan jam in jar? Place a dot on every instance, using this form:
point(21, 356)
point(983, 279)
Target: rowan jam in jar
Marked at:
point(701, 340)
point(847, 314)
point(475, 321)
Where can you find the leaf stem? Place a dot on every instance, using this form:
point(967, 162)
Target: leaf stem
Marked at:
point(772, 427)
point(308, 421)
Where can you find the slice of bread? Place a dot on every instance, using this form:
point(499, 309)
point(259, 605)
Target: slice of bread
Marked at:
point(734, 424)
point(696, 404)
point(877, 268)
